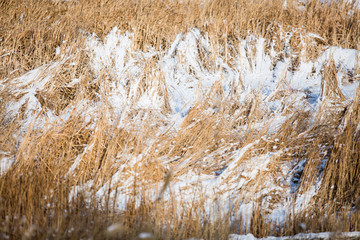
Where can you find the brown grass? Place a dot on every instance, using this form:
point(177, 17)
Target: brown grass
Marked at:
point(36, 193)
point(31, 30)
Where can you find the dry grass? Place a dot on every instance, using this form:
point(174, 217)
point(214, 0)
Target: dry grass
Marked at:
point(36, 194)
point(30, 31)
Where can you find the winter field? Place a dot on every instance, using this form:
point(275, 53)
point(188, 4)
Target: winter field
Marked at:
point(169, 119)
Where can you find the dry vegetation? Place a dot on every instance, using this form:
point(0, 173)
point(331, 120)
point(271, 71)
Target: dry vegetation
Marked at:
point(36, 200)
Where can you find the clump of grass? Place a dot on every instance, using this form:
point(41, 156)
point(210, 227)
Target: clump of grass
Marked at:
point(341, 175)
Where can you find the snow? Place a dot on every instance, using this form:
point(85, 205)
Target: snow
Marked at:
point(249, 236)
point(145, 235)
point(323, 235)
point(180, 78)
point(5, 162)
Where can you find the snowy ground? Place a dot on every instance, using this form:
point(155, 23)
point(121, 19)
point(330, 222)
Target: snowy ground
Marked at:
point(180, 80)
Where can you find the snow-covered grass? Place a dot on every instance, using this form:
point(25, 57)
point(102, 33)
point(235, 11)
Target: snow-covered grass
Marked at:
point(179, 119)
